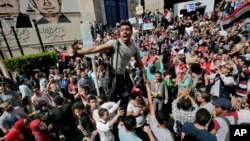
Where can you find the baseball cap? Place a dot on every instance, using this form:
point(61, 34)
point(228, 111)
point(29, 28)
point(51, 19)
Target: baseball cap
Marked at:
point(222, 102)
point(136, 91)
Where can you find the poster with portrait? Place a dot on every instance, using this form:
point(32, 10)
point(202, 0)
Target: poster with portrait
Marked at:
point(58, 21)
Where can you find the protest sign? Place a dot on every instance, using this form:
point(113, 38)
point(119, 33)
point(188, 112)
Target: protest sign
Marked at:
point(132, 20)
point(139, 10)
point(86, 36)
point(148, 26)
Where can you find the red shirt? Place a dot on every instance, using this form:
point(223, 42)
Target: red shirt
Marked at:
point(206, 67)
point(72, 88)
point(13, 135)
point(149, 59)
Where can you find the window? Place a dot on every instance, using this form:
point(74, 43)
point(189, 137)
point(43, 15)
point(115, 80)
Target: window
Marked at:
point(116, 10)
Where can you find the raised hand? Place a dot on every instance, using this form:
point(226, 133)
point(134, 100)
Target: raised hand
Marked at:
point(146, 129)
point(120, 112)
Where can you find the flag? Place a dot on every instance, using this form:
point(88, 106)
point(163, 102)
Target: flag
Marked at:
point(238, 14)
point(238, 4)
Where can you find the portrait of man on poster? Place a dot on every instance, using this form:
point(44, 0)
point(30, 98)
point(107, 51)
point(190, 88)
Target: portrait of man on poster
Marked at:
point(12, 8)
point(50, 11)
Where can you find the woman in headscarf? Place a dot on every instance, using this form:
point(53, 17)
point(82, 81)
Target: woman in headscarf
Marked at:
point(39, 130)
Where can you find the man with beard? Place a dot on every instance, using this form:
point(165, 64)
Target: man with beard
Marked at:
point(10, 115)
point(159, 91)
point(50, 10)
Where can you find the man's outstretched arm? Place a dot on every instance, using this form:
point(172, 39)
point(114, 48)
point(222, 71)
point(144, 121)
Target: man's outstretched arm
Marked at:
point(90, 50)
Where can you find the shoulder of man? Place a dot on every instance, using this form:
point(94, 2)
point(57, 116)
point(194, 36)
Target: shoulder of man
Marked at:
point(111, 43)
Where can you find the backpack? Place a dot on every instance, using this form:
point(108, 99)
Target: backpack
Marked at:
point(64, 83)
point(112, 71)
point(224, 91)
point(228, 123)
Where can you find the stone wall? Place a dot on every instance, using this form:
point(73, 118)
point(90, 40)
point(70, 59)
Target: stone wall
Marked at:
point(87, 10)
point(131, 7)
point(152, 5)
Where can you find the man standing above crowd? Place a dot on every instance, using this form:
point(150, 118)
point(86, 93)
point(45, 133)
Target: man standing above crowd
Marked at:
point(125, 49)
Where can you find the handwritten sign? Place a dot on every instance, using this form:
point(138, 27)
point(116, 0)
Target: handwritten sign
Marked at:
point(23, 35)
point(139, 10)
point(56, 33)
point(148, 26)
point(86, 36)
point(132, 20)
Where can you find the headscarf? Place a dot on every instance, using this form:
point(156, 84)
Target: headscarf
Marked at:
point(40, 135)
point(19, 125)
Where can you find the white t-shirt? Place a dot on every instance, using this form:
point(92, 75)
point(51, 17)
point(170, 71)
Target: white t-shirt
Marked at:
point(161, 134)
point(243, 116)
point(209, 107)
point(140, 120)
point(104, 131)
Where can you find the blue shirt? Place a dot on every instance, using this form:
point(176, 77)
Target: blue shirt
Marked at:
point(201, 134)
point(150, 75)
point(127, 136)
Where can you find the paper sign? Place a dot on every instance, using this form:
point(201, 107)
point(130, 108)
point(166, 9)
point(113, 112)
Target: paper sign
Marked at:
point(86, 36)
point(223, 33)
point(148, 26)
point(139, 10)
point(140, 21)
point(132, 20)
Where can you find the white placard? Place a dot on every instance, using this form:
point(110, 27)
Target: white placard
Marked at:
point(139, 10)
point(148, 26)
point(86, 36)
point(132, 20)
point(140, 21)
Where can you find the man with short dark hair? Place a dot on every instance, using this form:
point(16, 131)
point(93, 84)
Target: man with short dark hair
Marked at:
point(198, 129)
point(65, 118)
point(157, 121)
point(85, 123)
point(10, 115)
point(127, 132)
point(124, 49)
point(9, 96)
point(105, 124)
point(159, 91)
point(184, 109)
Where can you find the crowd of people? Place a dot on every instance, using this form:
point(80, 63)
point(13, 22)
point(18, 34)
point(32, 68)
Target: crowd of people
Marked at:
point(187, 79)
